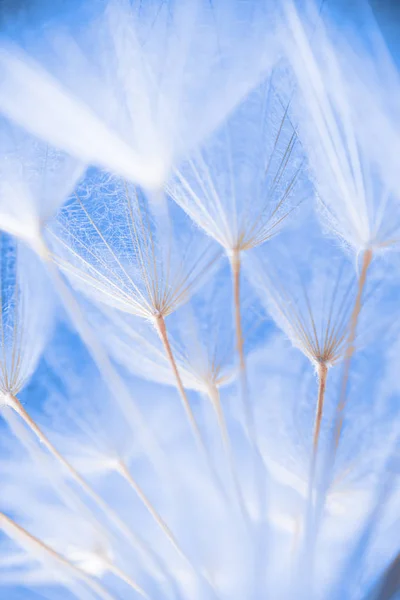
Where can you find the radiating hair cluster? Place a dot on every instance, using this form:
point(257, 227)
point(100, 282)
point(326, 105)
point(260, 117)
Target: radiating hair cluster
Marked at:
point(199, 325)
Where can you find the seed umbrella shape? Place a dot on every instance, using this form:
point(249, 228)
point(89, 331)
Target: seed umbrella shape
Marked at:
point(199, 319)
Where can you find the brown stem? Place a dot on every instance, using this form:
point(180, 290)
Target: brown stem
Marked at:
point(368, 255)
point(161, 328)
point(250, 428)
point(236, 272)
point(322, 377)
point(15, 404)
point(309, 533)
point(367, 258)
point(120, 393)
point(19, 534)
point(236, 268)
point(213, 394)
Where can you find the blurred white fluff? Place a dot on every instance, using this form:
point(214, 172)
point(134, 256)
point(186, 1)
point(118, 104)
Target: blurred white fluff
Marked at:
point(211, 533)
point(190, 93)
point(72, 535)
point(287, 419)
point(25, 313)
point(373, 85)
point(142, 83)
point(124, 251)
point(35, 180)
point(357, 201)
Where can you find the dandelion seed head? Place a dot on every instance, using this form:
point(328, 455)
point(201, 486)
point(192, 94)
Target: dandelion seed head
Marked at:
point(245, 179)
point(128, 86)
point(312, 309)
point(26, 314)
point(113, 251)
point(162, 434)
point(356, 202)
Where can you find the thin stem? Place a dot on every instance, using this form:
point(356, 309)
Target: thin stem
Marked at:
point(117, 388)
point(126, 579)
point(16, 405)
point(159, 324)
point(161, 328)
point(309, 539)
point(26, 539)
point(236, 272)
point(125, 473)
point(69, 497)
point(367, 259)
point(236, 268)
point(321, 496)
point(214, 396)
point(322, 377)
point(110, 376)
point(250, 429)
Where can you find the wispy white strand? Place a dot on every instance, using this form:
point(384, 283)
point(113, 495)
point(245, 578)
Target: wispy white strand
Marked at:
point(239, 113)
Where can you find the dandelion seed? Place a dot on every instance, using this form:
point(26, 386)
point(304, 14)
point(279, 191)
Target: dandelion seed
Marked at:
point(124, 93)
point(25, 314)
point(35, 180)
point(358, 204)
point(30, 173)
point(201, 342)
point(23, 332)
point(240, 185)
point(205, 125)
point(316, 320)
point(138, 275)
point(355, 201)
